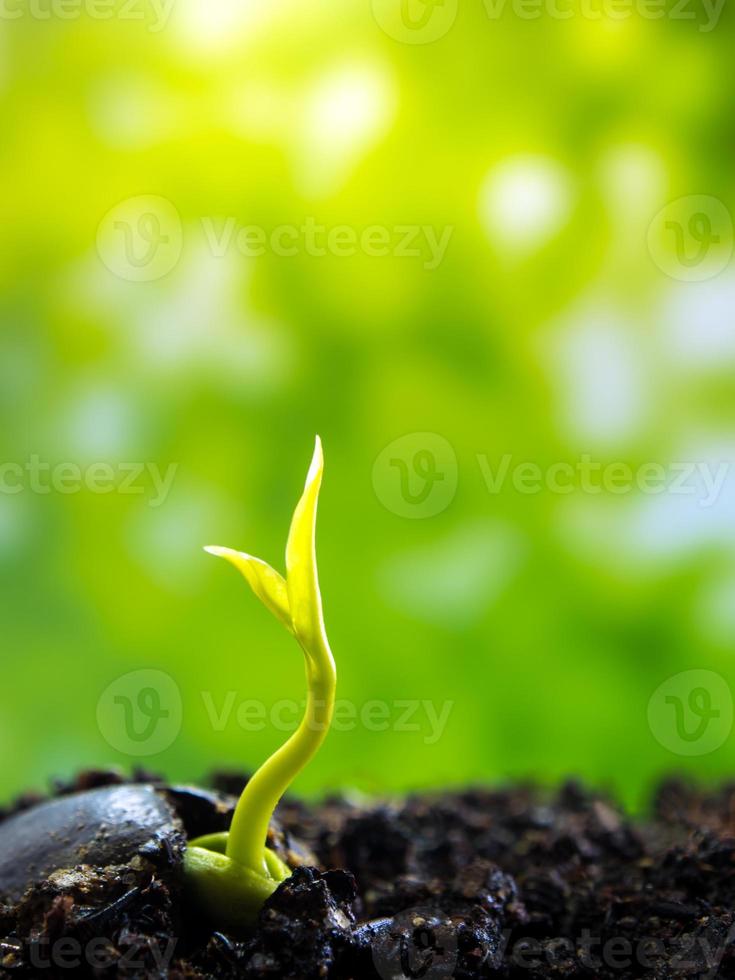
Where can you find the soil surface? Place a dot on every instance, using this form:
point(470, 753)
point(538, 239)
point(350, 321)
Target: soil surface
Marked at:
point(515, 883)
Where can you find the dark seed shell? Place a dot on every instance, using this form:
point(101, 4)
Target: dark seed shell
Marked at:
point(99, 827)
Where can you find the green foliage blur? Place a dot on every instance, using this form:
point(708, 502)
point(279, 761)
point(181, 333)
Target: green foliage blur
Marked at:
point(487, 245)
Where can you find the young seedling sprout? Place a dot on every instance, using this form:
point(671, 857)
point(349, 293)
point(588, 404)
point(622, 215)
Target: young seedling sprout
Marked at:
point(231, 874)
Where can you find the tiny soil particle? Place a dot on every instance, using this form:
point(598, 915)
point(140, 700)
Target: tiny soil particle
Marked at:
point(515, 883)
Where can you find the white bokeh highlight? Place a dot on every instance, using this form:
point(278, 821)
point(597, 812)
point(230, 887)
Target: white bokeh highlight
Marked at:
point(346, 111)
point(599, 369)
point(524, 201)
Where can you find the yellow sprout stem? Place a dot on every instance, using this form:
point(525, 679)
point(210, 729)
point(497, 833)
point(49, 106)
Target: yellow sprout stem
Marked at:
point(230, 875)
point(296, 602)
point(249, 828)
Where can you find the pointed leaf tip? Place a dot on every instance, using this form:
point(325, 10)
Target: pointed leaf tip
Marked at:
point(216, 550)
point(316, 466)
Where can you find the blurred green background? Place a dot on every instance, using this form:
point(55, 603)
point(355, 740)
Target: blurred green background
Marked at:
point(477, 233)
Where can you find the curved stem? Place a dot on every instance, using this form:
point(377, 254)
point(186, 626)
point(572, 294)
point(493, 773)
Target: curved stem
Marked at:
point(249, 827)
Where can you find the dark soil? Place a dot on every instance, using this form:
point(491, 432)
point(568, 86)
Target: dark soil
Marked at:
point(510, 884)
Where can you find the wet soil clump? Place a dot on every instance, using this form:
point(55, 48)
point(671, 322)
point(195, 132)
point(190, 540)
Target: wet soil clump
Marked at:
point(510, 883)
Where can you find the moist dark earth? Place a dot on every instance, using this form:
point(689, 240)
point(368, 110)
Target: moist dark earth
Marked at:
point(509, 883)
